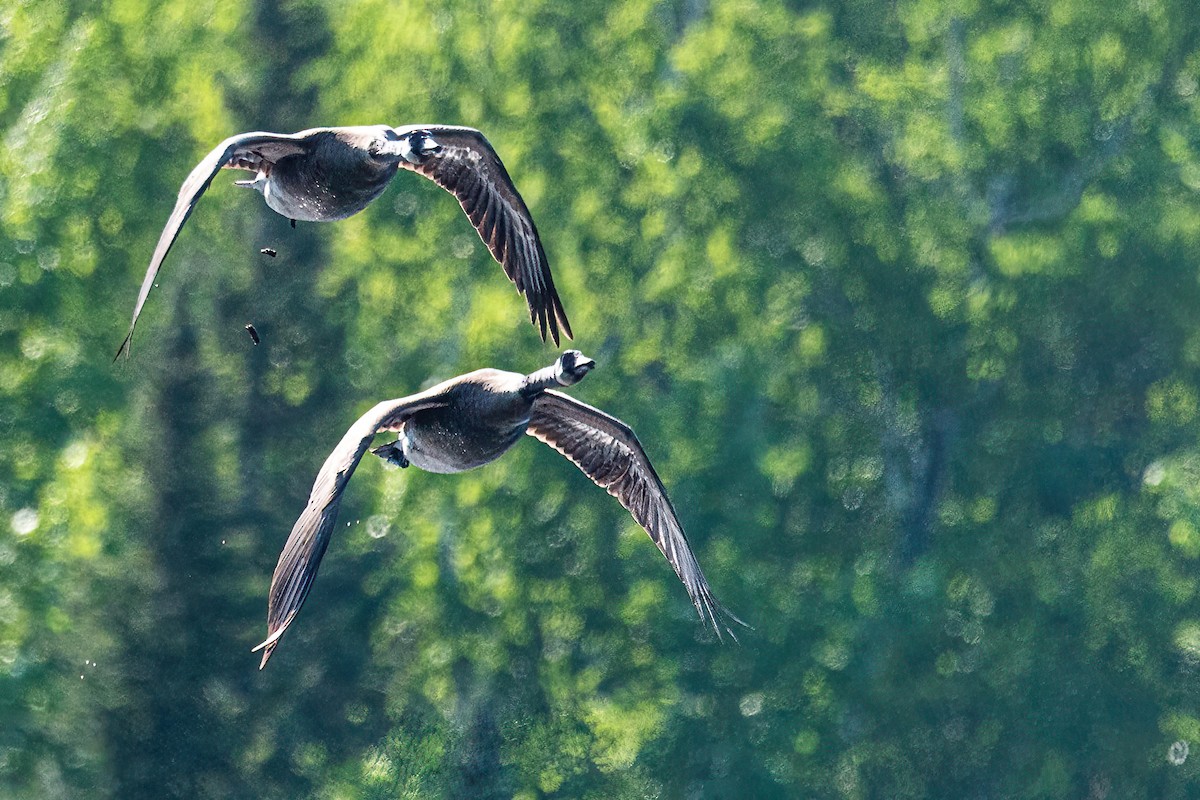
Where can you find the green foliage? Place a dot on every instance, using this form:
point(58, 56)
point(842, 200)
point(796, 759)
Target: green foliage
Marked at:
point(899, 297)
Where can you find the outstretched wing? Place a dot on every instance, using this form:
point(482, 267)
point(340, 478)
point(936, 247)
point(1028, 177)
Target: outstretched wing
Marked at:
point(468, 167)
point(237, 152)
point(309, 538)
point(609, 453)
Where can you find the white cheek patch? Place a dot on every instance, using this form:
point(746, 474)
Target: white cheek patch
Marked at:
point(407, 153)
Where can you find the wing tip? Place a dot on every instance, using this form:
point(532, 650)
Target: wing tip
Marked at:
point(547, 314)
point(265, 656)
point(718, 618)
point(269, 644)
point(123, 350)
point(562, 319)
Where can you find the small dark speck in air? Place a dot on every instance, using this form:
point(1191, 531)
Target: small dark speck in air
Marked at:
point(266, 251)
point(253, 333)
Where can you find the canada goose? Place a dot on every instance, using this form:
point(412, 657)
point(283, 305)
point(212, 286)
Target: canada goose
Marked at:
point(469, 421)
point(326, 174)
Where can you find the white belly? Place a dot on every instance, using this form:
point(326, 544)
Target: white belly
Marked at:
point(444, 449)
point(291, 206)
point(440, 460)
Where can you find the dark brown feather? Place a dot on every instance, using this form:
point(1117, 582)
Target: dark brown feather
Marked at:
point(309, 538)
point(468, 167)
point(608, 452)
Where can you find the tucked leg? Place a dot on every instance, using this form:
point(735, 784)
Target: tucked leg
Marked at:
point(392, 453)
point(258, 183)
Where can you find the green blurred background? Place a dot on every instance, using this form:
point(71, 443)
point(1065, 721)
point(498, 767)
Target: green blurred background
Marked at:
point(901, 297)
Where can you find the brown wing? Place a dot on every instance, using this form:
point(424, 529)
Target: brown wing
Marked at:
point(306, 544)
point(233, 153)
point(469, 169)
point(609, 453)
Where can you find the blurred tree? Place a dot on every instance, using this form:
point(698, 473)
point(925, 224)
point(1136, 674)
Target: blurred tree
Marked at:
point(899, 297)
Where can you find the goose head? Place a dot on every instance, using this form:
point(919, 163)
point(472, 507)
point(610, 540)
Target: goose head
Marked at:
point(417, 146)
point(571, 366)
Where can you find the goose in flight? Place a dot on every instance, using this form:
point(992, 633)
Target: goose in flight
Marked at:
point(326, 174)
point(472, 420)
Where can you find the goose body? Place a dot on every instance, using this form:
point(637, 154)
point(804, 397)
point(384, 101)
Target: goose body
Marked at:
point(485, 414)
point(338, 178)
point(327, 174)
point(472, 420)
